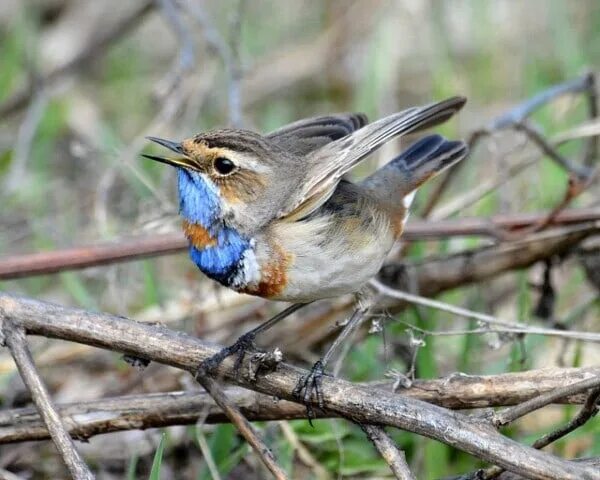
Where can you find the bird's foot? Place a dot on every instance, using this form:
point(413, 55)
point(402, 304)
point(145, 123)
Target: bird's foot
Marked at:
point(311, 385)
point(240, 348)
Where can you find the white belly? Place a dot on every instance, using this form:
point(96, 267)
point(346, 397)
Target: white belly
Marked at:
point(331, 259)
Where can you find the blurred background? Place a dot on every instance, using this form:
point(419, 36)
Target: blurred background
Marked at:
point(82, 83)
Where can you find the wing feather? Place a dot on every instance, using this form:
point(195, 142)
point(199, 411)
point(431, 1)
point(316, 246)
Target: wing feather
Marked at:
point(327, 164)
point(306, 135)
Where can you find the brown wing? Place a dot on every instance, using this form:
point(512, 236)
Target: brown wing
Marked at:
point(328, 164)
point(307, 135)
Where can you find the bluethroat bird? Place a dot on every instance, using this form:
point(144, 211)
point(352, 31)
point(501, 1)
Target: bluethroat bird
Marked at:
point(273, 216)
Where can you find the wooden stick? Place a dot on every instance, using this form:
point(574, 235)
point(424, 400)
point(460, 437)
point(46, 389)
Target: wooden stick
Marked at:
point(14, 336)
point(386, 447)
point(130, 412)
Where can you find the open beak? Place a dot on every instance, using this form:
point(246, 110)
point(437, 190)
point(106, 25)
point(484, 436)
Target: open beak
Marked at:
point(179, 161)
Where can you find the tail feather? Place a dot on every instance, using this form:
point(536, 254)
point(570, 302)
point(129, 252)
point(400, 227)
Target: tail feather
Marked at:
point(423, 160)
point(429, 156)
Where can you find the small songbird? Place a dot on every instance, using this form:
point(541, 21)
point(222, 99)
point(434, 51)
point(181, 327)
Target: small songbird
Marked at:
point(272, 215)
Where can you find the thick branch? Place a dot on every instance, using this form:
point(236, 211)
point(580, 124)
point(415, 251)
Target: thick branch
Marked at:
point(366, 405)
point(89, 418)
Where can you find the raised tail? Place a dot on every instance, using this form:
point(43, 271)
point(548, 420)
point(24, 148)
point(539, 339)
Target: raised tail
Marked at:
point(395, 182)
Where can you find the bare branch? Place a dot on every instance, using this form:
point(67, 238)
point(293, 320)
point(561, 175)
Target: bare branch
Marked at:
point(458, 391)
point(536, 137)
point(366, 405)
point(487, 320)
point(130, 249)
point(14, 336)
point(589, 410)
point(386, 447)
point(509, 415)
point(434, 275)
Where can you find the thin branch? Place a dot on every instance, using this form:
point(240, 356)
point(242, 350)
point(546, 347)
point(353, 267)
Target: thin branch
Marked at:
point(589, 410)
point(366, 405)
point(509, 415)
point(82, 257)
point(243, 426)
point(434, 275)
point(484, 318)
point(523, 110)
point(536, 137)
point(130, 249)
point(386, 447)
point(14, 337)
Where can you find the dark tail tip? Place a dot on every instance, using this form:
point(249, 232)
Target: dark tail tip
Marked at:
point(431, 155)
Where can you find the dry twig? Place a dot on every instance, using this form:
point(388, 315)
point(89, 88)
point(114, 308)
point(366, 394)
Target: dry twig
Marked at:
point(242, 424)
point(14, 337)
point(509, 415)
point(394, 457)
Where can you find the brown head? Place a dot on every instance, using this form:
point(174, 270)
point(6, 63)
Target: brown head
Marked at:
point(242, 168)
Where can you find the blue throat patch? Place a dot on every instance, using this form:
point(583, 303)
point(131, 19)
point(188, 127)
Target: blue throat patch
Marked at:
point(199, 203)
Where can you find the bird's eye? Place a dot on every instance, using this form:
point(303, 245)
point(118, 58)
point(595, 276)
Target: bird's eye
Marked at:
point(223, 166)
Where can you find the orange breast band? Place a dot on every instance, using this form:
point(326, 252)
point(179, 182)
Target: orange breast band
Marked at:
point(198, 236)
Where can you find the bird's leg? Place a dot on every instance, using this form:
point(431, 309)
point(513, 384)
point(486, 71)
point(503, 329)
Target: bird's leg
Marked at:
point(243, 344)
point(311, 383)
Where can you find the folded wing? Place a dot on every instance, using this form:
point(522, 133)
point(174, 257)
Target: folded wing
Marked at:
point(307, 135)
point(327, 164)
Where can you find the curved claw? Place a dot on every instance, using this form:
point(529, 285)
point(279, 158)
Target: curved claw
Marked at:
point(243, 345)
point(309, 385)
